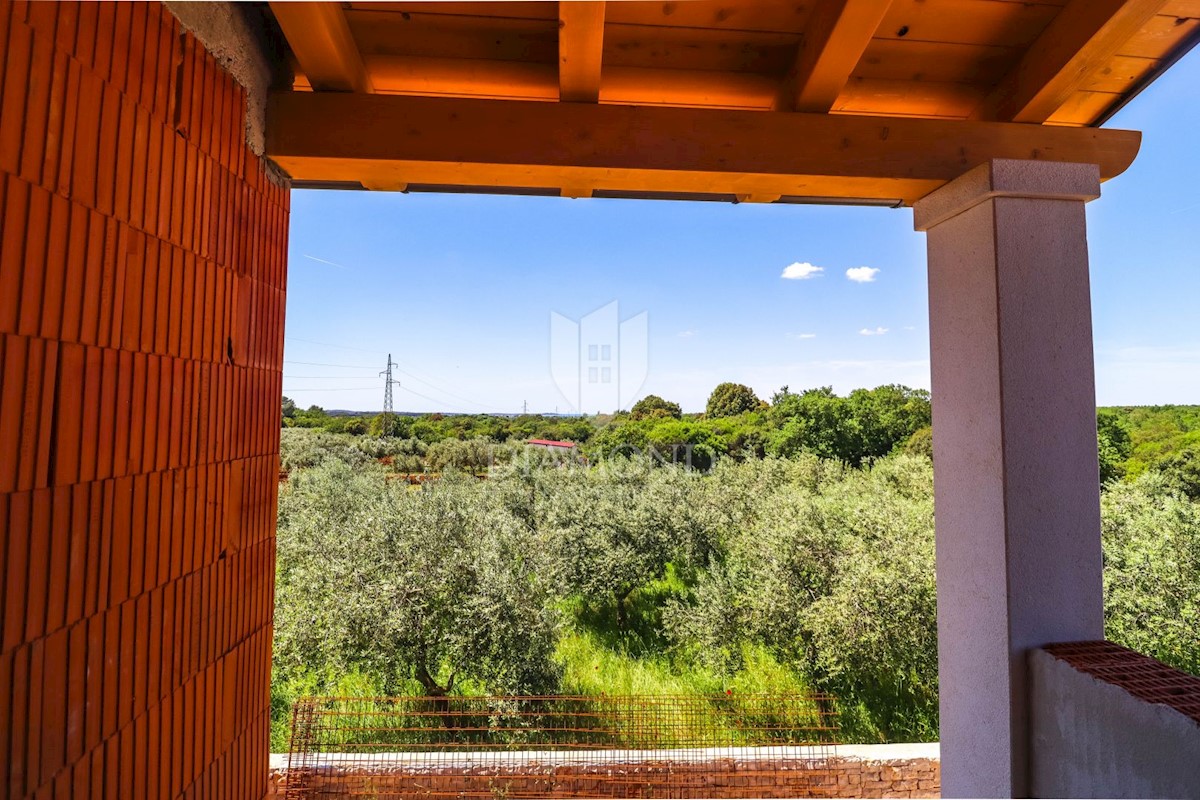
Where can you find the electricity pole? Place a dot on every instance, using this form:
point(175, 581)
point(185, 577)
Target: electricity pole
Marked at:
point(387, 397)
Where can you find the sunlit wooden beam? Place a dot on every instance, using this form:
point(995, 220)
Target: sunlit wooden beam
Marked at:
point(580, 46)
point(834, 40)
point(1081, 39)
point(321, 40)
point(596, 147)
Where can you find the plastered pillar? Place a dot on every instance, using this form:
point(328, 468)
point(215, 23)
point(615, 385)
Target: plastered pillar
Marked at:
point(1016, 479)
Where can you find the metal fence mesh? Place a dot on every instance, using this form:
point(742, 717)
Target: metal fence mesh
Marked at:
point(537, 747)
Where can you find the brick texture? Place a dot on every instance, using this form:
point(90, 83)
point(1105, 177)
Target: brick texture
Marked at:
point(839, 777)
point(142, 277)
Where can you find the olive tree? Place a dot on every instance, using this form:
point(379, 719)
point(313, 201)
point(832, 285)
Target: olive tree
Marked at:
point(435, 583)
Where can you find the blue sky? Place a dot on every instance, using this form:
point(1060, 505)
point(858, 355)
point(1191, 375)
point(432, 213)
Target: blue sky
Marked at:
point(459, 289)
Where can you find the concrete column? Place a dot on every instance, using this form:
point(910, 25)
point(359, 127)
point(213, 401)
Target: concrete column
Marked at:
point(1016, 487)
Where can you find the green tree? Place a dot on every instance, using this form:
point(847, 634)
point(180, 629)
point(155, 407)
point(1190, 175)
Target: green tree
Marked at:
point(1151, 537)
point(437, 584)
point(608, 532)
point(1115, 445)
point(654, 406)
point(1181, 471)
point(731, 399)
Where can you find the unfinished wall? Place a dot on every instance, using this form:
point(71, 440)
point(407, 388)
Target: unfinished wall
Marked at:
point(1109, 722)
point(881, 771)
point(142, 271)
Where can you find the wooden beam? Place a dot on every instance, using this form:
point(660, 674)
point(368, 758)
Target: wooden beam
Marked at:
point(834, 40)
point(580, 47)
point(321, 40)
point(537, 145)
point(1081, 40)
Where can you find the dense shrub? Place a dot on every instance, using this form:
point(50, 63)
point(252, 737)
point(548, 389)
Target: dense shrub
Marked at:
point(816, 571)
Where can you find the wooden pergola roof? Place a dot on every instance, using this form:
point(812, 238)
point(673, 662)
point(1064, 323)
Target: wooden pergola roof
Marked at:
point(752, 100)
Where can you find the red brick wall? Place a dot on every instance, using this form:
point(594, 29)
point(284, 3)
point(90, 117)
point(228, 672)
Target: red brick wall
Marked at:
point(142, 272)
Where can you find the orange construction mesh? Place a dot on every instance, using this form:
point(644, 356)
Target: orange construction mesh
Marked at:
point(537, 747)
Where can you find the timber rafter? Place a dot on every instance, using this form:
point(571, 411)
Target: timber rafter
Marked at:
point(586, 148)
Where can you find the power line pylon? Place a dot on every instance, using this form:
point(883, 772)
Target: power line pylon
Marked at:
point(386, 427)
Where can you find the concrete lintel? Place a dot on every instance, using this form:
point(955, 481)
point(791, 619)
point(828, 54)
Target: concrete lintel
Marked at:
point(237, 38)
point(1005, 177)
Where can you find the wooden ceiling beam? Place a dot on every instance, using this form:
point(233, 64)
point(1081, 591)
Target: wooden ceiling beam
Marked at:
point(1079, 41)
point(834, 40)
point(322, 42)
point(580, 50)
point(581, 146)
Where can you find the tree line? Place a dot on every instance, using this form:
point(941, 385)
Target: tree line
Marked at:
point(632, 575)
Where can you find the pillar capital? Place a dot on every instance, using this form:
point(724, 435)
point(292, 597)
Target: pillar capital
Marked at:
point(1006, 177)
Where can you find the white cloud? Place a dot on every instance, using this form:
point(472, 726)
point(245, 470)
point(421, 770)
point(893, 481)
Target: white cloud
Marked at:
point(687, 334)
point(873, 331)
point(801, 271)
point(802, 336)
point(862, 274)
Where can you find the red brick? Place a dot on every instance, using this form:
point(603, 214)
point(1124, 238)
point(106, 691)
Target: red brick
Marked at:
point(57, 112)
point(125, 421)
point(123, 188)
point(86, 138)
point(134, 81)
point(37, 105)
point(38, 578)
point(93, 276)
point(112, 663)
point(121, 527)
point(12, 251)
point(14, 355)
point(17, 572)
point(106, 399)
point(142, 123)
point(119, 69)
point(54, 705)
point(110, 294)
point(55, 269)
point(12, 102)
point(85, 42)
point(18, 720)
point(76, 691)
point(91, 385)
point(59, 572)
point(34, 729)
point(80, 513)
point(66, 30)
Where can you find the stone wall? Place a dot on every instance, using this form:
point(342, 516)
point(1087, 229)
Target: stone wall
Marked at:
point(881, 771)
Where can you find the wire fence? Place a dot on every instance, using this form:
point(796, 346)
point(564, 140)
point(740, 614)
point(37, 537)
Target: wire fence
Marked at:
point(539, 747)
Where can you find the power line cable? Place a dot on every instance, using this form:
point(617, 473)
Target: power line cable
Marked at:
point(337, 346)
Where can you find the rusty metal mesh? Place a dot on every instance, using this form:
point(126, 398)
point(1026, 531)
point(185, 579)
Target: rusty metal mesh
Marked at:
point(536, 747)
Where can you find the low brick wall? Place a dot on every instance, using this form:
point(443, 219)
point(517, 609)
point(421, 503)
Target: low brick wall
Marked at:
point(904, 770)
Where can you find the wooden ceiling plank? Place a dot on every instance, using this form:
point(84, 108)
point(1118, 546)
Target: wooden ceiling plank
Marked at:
point(1081, 40)
point(322, 42)
point(579, 145)
point(580, 49)
point(834, 40)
